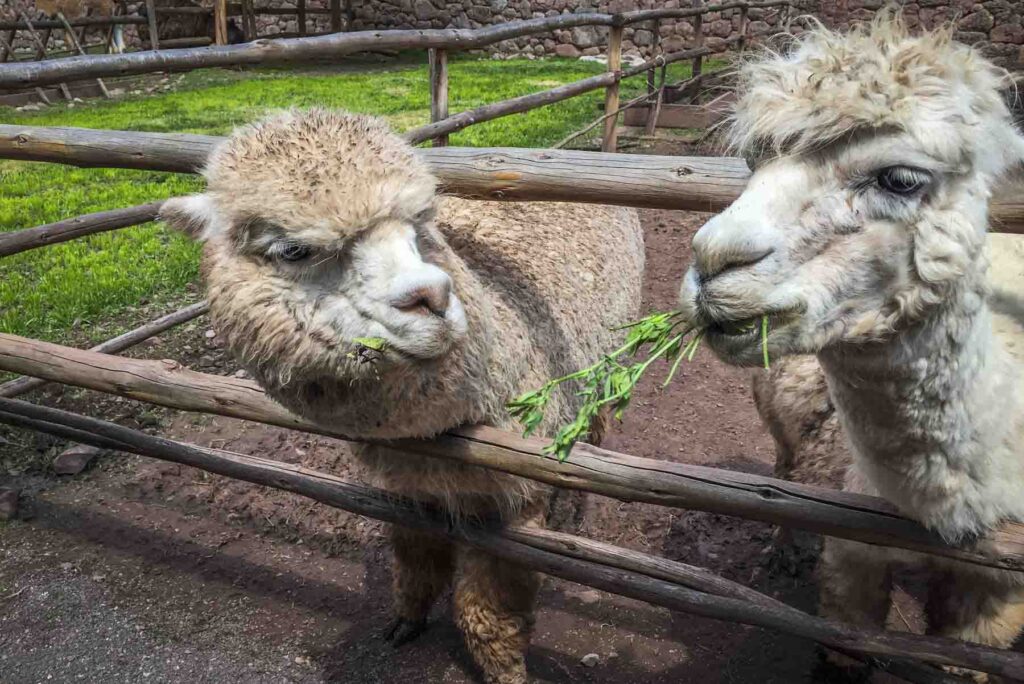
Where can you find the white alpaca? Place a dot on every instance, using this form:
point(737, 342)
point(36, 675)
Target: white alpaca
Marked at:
point(322, 228)
point(861, 236)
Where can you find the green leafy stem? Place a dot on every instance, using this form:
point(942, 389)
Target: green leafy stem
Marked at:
point(610, 382)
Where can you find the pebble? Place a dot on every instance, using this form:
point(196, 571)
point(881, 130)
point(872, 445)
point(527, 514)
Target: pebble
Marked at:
point(590, 596)
point(590, 660)
point(210, 334)
point(74, 460)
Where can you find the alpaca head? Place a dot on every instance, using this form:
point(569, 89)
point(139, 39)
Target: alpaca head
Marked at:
point(873, 156)
point(318, 232)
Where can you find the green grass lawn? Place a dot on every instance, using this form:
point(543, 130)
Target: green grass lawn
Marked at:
point(79, 291)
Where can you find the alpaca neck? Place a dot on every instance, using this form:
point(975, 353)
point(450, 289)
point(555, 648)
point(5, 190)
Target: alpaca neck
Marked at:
point(930, 415)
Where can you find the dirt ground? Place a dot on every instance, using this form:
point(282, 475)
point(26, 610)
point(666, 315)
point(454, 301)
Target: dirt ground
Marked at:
point(137, 570)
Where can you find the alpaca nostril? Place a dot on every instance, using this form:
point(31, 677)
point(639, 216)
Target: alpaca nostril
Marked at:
point(718, 264)
point(424, 300)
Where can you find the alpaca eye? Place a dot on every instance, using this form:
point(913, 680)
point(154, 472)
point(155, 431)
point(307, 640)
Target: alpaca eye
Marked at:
point(902, 180)
point(292, 252)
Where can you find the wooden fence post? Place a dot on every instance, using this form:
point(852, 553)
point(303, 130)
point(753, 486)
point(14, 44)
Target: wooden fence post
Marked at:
point(439, 90)
point(248, 21)
point(335, 16)
point(350, 15)
point(743, 27)
point(220, 22)
point(154, 39)
point(698, 38)
point(300, 17)
point(611, 93)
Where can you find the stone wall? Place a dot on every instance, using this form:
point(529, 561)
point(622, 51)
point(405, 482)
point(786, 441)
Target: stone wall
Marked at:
point(995, 26)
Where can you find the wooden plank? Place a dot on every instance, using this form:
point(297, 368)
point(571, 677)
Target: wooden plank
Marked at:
point(80, 21)
point(438, 58)
point(629, 573)
point(514, 174)
point(678, 116)
point(154, 39)
point(20, 386)
point(611, 93)
point(629, 478)
point(300, 16)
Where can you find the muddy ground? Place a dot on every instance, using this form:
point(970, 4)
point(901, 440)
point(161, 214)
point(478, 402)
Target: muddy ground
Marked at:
point(137, 570)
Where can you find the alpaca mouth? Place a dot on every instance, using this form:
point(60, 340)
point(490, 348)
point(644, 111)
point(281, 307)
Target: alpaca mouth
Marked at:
point(736, 328)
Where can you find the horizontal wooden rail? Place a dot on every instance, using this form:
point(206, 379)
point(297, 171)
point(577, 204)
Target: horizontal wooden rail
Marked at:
point(80, 21)
point(268, 52)
point(516, 174)
point(20, 386)
point(70, 229)
point(629, 573)
point(629, 478)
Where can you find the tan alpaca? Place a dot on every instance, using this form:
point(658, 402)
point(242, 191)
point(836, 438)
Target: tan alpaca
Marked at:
point(320, 228)
point(861, 236)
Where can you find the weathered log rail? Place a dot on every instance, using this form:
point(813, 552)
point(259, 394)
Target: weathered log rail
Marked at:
point(628, 478)
point(513, 174)
point(277, 52)
point(629, 573)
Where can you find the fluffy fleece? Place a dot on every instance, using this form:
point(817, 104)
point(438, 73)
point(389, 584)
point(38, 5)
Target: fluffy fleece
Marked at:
point(888, 287)
point(535, 289)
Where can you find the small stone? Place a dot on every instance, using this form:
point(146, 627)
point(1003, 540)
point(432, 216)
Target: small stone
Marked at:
point(241, 374)
point(590, 660)
point(210, 334)
point(567, 50)
point(74, 460)
point(590, 596)
point(8, 504)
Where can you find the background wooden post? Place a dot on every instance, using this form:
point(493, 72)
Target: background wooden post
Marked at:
point(70, 33)
point(300, 17)
point(248, 21)
point(438, 90)
point(335, 16)
point(350, 15)
point(655, 44)
point(698, 39)
point(220, 22)
point(154, 39)
point(743, 27)
point(611, 93)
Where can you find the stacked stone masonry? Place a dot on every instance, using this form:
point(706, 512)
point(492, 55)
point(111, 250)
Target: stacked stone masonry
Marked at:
point(995, 26)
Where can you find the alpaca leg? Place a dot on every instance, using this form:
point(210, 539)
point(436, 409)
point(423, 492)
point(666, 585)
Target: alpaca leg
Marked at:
point(494, 609)
point(854, 586)
point(423, 567)
point(982, 607)
point(855, 583)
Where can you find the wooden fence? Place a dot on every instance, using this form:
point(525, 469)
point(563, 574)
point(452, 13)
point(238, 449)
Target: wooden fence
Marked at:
point(695, 183)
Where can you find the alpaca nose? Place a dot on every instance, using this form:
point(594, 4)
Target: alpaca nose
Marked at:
point(719, 247)
point(427, 294)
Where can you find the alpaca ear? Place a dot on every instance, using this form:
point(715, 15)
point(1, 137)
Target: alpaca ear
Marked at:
point(193, 215)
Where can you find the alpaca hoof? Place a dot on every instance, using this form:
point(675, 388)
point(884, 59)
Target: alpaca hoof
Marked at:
point(402, 631)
